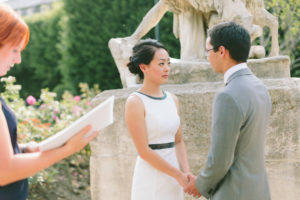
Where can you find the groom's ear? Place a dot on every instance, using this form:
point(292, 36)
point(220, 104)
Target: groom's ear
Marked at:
point(222, 50)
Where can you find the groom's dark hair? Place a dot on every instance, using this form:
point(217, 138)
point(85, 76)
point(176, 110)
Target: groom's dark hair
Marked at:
point(233, 37)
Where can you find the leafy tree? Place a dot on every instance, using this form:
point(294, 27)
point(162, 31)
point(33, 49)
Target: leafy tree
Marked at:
point(288, 13)
point(90, 25)
point(69, 44)
point(40, 58)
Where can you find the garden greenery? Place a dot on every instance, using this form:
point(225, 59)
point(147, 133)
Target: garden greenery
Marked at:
point(44, 117)
point(69, 44)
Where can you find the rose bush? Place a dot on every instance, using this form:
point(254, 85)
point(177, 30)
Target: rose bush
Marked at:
point(43, 117)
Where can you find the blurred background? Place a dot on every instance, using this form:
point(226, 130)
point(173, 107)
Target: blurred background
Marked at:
point(69, 40)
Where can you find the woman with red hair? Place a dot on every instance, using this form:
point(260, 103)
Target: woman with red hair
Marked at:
point(17, 162)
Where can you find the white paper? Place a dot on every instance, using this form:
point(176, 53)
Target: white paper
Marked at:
point(99, 117)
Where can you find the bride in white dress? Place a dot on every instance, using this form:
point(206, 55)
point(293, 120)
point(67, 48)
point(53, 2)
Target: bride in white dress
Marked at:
point(152, 117)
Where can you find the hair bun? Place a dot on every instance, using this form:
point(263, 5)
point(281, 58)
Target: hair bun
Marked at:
point(132, 65)
point(130, 59)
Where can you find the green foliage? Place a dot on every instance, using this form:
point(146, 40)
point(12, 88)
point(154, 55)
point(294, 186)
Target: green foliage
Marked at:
point(90, 25)
point(288, 13)
point(86, 57)
point(40, 58)
point(43, 119)
point(295, 67)
point(69, 44)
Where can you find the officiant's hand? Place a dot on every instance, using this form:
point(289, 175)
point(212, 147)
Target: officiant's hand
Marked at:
point(30, 147)
point(191, 187)
point(79, 141)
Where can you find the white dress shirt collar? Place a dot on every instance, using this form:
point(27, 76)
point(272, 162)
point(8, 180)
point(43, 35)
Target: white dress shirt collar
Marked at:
point(233, 69)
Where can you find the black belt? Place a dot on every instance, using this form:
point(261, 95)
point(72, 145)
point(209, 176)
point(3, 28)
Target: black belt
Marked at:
point(162, 146)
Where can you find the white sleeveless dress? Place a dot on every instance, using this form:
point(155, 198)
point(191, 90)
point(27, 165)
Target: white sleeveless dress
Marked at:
point(162, 123)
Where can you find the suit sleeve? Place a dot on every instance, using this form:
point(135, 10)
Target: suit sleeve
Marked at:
point(226, 123)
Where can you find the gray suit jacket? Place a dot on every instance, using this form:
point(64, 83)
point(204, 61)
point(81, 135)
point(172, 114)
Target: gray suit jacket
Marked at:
point(235, 167)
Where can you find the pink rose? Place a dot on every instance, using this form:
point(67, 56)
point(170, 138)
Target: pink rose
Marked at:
point(55, 111)
point(30, 100)
point(55, 118)
point(77, 110)
point(43, 106)
point(77, 98)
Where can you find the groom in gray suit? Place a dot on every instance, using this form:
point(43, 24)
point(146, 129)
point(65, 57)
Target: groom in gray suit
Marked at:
point(235, 167)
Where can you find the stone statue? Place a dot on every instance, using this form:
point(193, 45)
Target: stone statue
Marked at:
point(263, 18)
point(192, 18)
point(239, 10)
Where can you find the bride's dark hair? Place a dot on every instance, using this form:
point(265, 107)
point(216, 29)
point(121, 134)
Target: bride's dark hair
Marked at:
point(143, 53)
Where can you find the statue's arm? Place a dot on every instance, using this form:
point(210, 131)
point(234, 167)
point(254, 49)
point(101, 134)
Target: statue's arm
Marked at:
point(150, 20)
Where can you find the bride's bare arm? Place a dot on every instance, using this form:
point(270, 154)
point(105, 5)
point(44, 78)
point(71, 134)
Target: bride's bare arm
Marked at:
point(180, 147)
point(135, 119)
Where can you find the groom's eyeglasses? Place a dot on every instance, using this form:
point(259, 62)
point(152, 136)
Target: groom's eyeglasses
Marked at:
point(206, 51)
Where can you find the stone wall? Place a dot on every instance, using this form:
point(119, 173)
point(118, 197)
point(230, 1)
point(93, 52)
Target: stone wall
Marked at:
point(113, 152)
point(184, 71)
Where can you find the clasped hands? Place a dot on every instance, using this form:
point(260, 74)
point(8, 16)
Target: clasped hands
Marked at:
point(188, 182)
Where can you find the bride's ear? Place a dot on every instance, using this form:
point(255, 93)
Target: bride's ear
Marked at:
point(143, 67)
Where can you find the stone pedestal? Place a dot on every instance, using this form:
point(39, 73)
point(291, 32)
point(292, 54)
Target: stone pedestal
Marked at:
point(113, 152)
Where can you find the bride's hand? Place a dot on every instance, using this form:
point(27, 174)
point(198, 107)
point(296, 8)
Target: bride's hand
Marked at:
point(183, 179)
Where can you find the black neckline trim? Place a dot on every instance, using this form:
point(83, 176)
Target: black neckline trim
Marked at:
point(156, 98)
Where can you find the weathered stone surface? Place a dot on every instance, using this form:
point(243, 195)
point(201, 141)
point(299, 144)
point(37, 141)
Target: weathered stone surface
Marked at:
point(257, 51)
point(201, 71)
point(113, 152)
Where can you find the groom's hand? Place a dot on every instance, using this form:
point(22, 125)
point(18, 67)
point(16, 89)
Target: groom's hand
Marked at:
point(191, 187)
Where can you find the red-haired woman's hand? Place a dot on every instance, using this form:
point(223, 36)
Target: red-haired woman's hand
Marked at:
point(79, 140)
point(32, 147)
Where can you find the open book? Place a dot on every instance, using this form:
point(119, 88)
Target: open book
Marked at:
point(99, 117)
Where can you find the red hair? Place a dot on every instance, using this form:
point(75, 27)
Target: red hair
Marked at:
point(13, 29)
